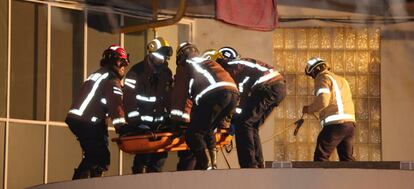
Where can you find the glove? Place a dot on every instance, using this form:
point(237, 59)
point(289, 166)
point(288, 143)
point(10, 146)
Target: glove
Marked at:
point(122, 130)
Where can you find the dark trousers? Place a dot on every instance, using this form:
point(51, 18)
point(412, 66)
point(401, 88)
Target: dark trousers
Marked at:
point(93, 139)
point(205, 117)
point(186, 159)
point(257, 108)
point(149, 163)
point(339, 136)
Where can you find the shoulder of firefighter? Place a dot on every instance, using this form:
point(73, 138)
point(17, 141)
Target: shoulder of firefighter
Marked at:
point(194, 80)
point(100, 96)
point(249, 73)
point(145, 99)
point(333, 99)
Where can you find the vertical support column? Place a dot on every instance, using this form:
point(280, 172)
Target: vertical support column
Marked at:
point(85, 45)
point(122, 41)
point(7, 130)
point(48, 50)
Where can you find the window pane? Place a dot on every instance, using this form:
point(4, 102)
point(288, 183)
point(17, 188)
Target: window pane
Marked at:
point(135, 45)
point(3, 57)
point(28, 60)
point(64, 154)
point(113, 148)
point(2, 132)
point(26, 155)
point(97, 43)
point(66, 60)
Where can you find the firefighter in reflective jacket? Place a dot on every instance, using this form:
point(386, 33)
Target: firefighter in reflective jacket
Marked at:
point(147, 87)
point(334, 104)
point(261, 90)
point(100, 97)
point(214, 95)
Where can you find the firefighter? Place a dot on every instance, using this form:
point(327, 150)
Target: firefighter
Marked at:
point(334, 104)
point(261, 90)
point(100, 97)
point(146, 99)
point(213, 93)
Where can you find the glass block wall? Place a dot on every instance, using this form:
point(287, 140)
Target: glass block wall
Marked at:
point(351, 52)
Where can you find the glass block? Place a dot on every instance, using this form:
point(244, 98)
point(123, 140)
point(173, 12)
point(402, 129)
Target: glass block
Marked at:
point(280, 152)
point(376, 152)
point(302, 59)
point(291, 152)
point(374, 38)
point(326, 34)
point(362, 132)
point(375, 136)
point(363, 152)
point(338, 61)
point(334, 156)
point(349, 38)
point(280, 111)
point(289, 131)
point(313, 36)
point(300, 102)
point(375, 60)
point(290, 60)
point(362, 86)
point(314, 129)
point(349, 61)
point(280, 127)
point(362, 61)
point(362, 38)
point(303, 152)
point(375, 109)
point(301, 39)
point(311, 88)
point(303, 134)
point(374, 85)
point(326, 55)
point(361, 109)
point(338, 38)
point(302, 85)
point(278, 39)
point(289, 39)
point(352, 83)
point(278, 56)
point(313, 53)
point(290, 84)
point(290, 107)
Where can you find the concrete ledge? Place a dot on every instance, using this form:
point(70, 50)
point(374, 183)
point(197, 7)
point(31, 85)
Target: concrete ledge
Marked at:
point(294, 178)
point(397, 165)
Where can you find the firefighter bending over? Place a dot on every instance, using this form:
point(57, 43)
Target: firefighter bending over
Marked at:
point(99, 97)
point(214, 95)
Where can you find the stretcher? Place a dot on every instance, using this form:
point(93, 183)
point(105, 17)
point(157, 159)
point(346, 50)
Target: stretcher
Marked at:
point(163, 142)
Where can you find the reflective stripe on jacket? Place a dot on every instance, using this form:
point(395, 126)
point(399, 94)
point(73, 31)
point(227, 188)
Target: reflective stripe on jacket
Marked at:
point(147, 91)
point(249, 73)
point(333, 99)
point(195, 79)
point(100, 96)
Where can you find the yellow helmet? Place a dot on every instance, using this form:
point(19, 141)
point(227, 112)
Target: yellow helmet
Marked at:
point(161, 46)
point(212, 54)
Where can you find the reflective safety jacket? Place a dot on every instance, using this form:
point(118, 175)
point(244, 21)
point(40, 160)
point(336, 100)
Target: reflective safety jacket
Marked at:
point(100, 96)
point(333, 99)
point(195, 79)
point(147, 91)
point(250, 73)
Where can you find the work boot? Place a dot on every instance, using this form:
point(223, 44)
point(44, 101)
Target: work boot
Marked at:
point(138, 169)
point(212, 159)
point(79, 174)
point(202, 159)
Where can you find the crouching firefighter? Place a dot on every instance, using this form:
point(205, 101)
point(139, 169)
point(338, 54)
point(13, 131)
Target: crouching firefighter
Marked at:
point(146, 100)
point(334, 104)
point(213, 93)
point(261, 90)
point(99, 98)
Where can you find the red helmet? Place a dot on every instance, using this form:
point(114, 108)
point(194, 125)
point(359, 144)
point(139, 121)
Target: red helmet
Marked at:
point(114, 53)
